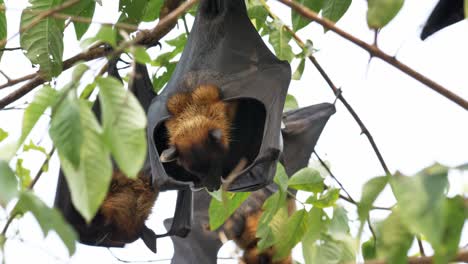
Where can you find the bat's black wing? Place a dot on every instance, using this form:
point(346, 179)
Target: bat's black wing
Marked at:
point(225, 50)
point(302, 128)
point(446, 13)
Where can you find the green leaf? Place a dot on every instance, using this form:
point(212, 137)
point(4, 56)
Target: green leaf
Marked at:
point(107, 34)
point(339, 222)
point(8, 183)
point(271, 217)
point(290, 104)
point(421, 197)
point(326, 199)
point(43, 43)
point(466, 8)
point(133, 10)
point(329, 251)
point(279, 39)
point(43, 98)
point(89, 183)
point(334, 9)
point(271, 230)
point(298, 21)
point(48, 218)
point(454, 214)
point(159, 82)
point(124, 122)
point(369, 251)
point(370, 192)
point(3, 134)
point(297, 75)
point(381, 12)
point(66, 130)
point(141, 55)
point(293, 231)
point(3, 29)
point(23, 174)
point(257, 13)
point(32, 146)
point(84, 8)
point(307, 179)
point(152, 10)
point(281, 178)
point(394, 239)
point(219, 211)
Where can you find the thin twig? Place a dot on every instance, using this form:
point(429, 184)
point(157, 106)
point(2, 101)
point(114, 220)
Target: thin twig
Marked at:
point(376, 52)
point(333, 176)
point(4, 75)
point(12, 82)
point(144, 37)
point(420, 246)
point(10, 49)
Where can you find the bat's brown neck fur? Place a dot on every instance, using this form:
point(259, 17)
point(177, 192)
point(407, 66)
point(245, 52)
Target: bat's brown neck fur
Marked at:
point(194, 115)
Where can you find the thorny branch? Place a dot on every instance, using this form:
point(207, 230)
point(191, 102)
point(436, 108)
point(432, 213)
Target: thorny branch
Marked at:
point(169, 15)
point(376, 52)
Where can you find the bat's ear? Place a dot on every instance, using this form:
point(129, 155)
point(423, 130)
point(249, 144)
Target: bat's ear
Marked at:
point(169, 155)
point(216, 135)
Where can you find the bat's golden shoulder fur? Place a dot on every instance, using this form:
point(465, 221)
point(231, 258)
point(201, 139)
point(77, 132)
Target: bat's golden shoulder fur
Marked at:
point(195, 114)
point(127, 206)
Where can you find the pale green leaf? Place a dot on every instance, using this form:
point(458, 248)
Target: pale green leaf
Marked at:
point(339, 223)
point(124, 122)
point(394, 239)
point(466, 8)
point(3, 134)
point(8, 183)
point(89, 182)
point(140, 54)
point(220, 211)
point(66, 130)
point(48, 218)
point(298, 21)
point(324, 200)
point(421, 197)
point(43, 99)
point(454, 216)
point(152, 10)
point(297, 75)
point(334, 9)
point(23, 174)
point(381, 12)
point(293, 231)
point(84, 8)
point(279, 39)
point(290, 103)
point(307, 179)
point(281, 178)
point(370, 192)
point(43, 42)
point(257, 13)
point(273, 228)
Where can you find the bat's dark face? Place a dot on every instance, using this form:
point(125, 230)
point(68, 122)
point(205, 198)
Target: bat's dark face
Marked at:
point(202, 158)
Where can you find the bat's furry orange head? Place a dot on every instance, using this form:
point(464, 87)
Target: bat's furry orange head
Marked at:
point(199, 131)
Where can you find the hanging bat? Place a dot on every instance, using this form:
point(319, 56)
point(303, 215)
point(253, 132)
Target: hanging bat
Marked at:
point(222, 104)
point(445, 13)
point(122, 215)
point(302, 128)
point(199, 133)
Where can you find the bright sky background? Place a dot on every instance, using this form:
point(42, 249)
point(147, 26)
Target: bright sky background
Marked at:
point(412, 125)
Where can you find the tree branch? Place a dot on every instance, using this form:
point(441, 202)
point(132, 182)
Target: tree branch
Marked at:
point(376, 52)
point(144, 37)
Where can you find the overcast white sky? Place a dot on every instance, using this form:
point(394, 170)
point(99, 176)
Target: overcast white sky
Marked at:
point(412, 125)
